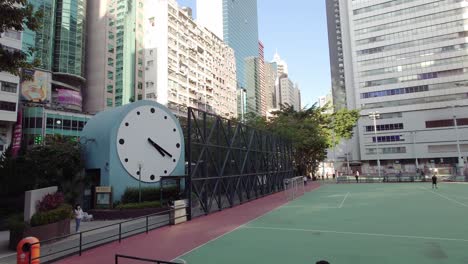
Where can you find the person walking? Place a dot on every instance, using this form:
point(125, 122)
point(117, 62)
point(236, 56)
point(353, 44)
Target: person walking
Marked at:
point(78, 217)
point(434, 181)
point(357, 176)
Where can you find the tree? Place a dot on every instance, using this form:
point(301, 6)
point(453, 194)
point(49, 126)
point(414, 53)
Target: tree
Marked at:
point(17, 15)
point(57, 162)
point(311, 130)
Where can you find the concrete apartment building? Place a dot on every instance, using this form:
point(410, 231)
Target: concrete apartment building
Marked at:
point(186, 65)
point(114, 53)
point(406, 60)
point(9, 92)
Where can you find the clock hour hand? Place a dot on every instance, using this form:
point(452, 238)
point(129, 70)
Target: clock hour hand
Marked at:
point(159, 148)
point(156, 146)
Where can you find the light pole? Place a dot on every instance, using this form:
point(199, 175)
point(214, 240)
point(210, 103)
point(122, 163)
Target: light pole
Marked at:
point(460, 160)
point(374, 116)
point(414, 150)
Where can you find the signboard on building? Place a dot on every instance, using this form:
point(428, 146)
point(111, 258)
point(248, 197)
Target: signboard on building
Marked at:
point(68, 97)
point(17, 132)
point(103, 197)
point(37, 88)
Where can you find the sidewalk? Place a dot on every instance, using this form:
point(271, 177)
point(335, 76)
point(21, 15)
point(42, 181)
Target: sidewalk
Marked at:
point(9, 257)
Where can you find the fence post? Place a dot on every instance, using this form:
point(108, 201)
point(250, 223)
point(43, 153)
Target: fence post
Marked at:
point(29, 257)
point(116, 259)
point(189, 169)
point(146, 224)
point(81, 240)
point(120, 232)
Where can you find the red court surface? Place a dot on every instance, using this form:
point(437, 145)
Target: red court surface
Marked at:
point(169, 242)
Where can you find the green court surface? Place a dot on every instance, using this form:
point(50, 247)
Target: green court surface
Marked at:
point(352, 223)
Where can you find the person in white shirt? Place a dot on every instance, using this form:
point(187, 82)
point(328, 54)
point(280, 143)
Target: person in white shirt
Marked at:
point(78, 217)
point(357, 176)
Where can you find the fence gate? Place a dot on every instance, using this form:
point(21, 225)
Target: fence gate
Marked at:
point(230, 163)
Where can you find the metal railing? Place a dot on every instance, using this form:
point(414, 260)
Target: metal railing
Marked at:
point(117, 256)
point(79, 242)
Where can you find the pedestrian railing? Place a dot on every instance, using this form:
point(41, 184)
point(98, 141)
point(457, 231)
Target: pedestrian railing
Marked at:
point(117, 256)
point(63, 246)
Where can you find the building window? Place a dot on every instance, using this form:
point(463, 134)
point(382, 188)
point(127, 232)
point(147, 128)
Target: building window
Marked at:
point(110, 75)
point(388, 138)
point(385, 127)
point(140, 73)
point(9, 87)
point(110, 61)
point(7, 106)
point(440, 123)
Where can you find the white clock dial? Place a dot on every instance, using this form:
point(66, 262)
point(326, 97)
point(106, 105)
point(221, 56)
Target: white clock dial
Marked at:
point(149, 143)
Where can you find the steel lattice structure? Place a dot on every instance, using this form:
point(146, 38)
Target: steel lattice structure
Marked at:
point(231, 163)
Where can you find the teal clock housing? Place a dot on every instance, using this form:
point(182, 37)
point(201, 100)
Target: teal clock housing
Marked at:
point(134, 145)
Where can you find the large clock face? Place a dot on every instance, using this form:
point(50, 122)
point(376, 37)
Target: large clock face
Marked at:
point(149, 143)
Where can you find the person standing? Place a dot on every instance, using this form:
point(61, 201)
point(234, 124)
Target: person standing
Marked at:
point(434, 181)
point(357, 176)
point(78, 217)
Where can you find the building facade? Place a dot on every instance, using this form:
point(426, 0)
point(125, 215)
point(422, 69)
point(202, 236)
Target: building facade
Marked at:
point(115, 53)
point(9, 92)
point(187, 65)
point(405, 60)
point(271, 85)
point(236, 22)
point(289, 94)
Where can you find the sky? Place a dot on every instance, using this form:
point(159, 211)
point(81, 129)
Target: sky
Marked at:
point(298, 30)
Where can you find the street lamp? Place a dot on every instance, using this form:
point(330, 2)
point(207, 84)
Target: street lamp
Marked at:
point(460, 160)
point(414, 150)
point(374, 116)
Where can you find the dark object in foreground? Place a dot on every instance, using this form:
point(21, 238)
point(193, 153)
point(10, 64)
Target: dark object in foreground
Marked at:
point(322, 262)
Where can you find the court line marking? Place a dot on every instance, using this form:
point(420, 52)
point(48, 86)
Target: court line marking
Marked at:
point(243, 225)
point(182, 261)
point(308, 206)
point(344, 199)
point(445, 197)
point(354, 233)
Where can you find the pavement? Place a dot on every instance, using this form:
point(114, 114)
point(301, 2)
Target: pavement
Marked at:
point(92, 238)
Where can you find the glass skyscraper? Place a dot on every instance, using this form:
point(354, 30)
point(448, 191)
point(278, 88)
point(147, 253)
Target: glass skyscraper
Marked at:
point(239, 29)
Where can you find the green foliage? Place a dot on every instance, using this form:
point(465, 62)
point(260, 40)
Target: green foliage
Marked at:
point(148, 194)
point(17, 15)
point(141, 205)
point(311, 131)
point(62, 212)
point(16, 222)
point(57, 162)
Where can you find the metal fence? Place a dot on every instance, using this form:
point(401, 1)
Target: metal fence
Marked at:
point(231, 163)
point(60, 247)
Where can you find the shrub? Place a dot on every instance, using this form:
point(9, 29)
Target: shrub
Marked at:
point(141, 205)
point(16, 222)
point(50, 202)
point(149, 194)
point(62, 212)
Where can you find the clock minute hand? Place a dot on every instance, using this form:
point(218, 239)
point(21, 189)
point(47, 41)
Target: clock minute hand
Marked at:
point(169, 154)
point(156, 146)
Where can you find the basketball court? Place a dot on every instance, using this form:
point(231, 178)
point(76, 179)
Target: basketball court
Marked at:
point(340, 223)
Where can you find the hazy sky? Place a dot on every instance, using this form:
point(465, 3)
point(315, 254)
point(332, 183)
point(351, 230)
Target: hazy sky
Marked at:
point(298, 30)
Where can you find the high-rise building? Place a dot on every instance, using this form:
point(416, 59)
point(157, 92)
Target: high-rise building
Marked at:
point(186, 64)
point(115, 53)
point(289, 94)
point(335, 42)
point(52, 96)
point(261, 77)
point(282, 66)
point(405, 60)
point(9, 91)
point(271, 84)
point(236, 22)
point(297, 98)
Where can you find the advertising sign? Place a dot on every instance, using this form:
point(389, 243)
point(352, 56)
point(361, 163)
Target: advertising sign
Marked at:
point(69, 97)
point(37, 88)
point(17, 131)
